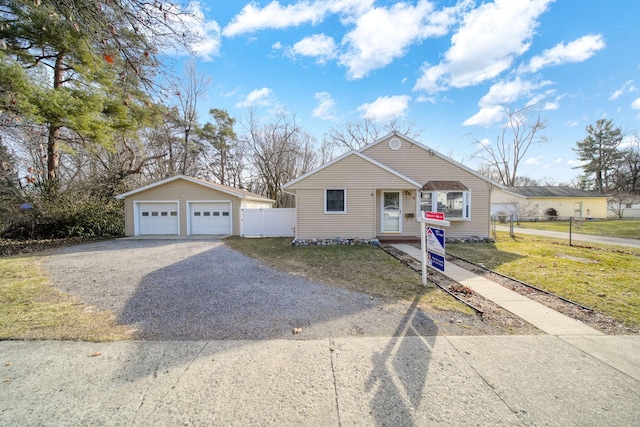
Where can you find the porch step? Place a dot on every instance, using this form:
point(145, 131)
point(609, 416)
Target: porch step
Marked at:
point(390, 238)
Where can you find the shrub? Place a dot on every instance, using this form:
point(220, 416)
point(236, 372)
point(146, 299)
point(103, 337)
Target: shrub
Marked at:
point(70, 214)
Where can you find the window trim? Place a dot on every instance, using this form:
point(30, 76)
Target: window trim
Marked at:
point(466, 204)
point(344, 210)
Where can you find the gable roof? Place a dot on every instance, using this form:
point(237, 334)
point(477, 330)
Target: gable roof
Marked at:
point(362, 156)
point(431, 151)
point(547, 191)
point(237, 192)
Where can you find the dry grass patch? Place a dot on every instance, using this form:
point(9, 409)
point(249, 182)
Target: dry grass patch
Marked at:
point(31, 308)
point(604, 280)
point(359, 268)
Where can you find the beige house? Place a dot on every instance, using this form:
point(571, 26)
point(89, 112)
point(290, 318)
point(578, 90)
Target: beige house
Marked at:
point(542, 202)
point(379, 190)
point(182, 205)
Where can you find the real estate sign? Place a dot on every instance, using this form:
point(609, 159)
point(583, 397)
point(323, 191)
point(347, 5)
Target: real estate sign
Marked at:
point(434, 215)
point(435, 248)
point(435, 260)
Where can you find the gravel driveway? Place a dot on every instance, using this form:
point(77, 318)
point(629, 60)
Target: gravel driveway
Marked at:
point(202, 290)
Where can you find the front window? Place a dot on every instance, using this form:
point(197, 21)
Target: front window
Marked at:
point(335, 201)
point(454, 204)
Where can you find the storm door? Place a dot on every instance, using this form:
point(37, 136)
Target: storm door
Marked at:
point(391, 212)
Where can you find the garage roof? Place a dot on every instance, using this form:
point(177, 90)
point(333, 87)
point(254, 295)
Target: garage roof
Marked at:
point(539, 191)
point(242, 194)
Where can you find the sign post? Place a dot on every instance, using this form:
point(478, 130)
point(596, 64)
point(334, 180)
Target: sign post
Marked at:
point(434, 257)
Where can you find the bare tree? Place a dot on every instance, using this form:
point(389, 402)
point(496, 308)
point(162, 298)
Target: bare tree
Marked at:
point(187, 95)
point(277, 152)
point(618, 202)
point(355, 135)
point(520, 209)
point(519, 133)
point(626, 178)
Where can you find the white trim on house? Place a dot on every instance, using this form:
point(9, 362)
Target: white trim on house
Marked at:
point(382, 228)
point(342, 212)
point(362, 156)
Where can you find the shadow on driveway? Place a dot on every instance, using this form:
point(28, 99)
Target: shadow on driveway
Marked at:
point(221, 294)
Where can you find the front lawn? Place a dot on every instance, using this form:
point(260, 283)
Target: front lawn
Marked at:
point(31, 308)
point(629, 229)
point(360, 268)
point(604, 280)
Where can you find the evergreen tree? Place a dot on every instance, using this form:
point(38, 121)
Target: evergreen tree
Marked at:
point(599, 152)
point(82, 60)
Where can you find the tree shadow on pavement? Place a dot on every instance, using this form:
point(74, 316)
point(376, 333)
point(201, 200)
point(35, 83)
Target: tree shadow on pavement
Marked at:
point(400, 372)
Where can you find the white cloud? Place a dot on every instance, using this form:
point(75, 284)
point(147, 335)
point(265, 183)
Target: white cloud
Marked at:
point(383, 34)
point(533, 160)
point(550, 106)
point(484, 142)
point(576, 51)
point(257, 97)
point(385, 107)
point(636, 104)
point(429, 99)
point(487, 116)
point(574, 162)
point(507, 92)
point(252, 18)
point(558, 160)
point(208, 33)
point(202, 36)
point(326, 106)
point(488, 41)
point(626, 87)
point(319, 45)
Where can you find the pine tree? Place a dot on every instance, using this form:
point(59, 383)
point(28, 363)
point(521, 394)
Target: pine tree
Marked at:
point(599, 152)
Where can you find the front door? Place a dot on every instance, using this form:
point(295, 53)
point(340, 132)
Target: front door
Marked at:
point(391, 212)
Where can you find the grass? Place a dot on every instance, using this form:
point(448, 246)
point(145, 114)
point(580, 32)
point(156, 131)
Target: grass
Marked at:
point(31, 308)
point(603, 280)
point(360, 268)
point(629, 229)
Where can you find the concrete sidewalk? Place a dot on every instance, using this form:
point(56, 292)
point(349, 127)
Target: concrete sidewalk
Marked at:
point(400, 381)
point(539, 315)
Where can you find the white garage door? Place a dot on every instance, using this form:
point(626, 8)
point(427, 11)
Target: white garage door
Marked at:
point(210, 217)
point(158, 218)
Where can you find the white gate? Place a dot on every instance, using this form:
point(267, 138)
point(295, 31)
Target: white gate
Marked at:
point(277, 222)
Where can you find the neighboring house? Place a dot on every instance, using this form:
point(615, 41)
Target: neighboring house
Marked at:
point(629, 210)
point(379, 190)
point(542, 202)
point(183, 205)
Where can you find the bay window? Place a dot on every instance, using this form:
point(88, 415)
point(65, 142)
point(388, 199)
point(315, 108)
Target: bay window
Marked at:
point(451, 198)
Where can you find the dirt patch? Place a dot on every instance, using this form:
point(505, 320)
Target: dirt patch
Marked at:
point(490, 315)
point(577, 259)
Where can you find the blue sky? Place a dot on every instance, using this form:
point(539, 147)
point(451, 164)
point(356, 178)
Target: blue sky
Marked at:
point(453, 68)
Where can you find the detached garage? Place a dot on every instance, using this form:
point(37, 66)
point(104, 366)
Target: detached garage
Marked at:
point(183, 205)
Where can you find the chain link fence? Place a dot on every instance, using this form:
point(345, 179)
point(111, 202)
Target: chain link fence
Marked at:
point(613, 234)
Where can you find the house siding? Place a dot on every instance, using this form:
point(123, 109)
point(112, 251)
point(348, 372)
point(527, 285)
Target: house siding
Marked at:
point(351, 172)
point(361, 179)
point(357, 222)
point(181, 191)
point(418, 164)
